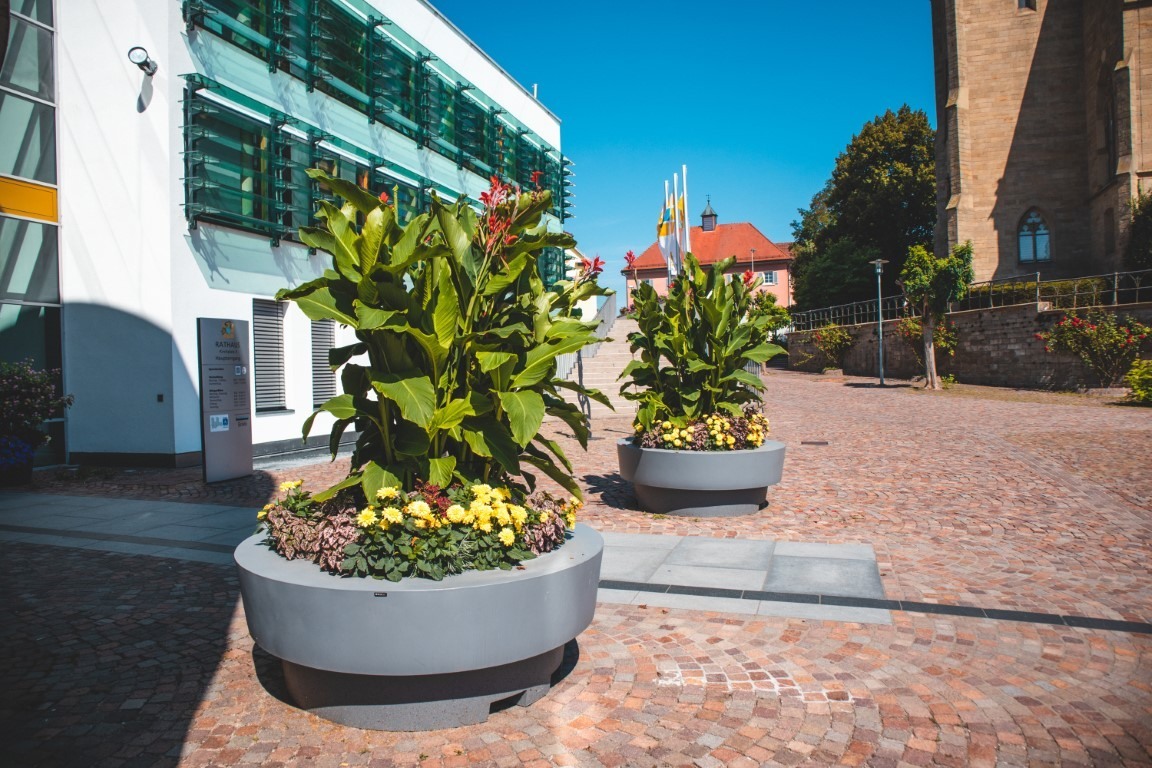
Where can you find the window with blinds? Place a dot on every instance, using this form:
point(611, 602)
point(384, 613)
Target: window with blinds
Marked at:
point(323, 379)
point(268, 354)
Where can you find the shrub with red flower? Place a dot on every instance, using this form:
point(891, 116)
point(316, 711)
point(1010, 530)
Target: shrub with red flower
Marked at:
point(28, 397)
point(1106, 344)
point(589, 268)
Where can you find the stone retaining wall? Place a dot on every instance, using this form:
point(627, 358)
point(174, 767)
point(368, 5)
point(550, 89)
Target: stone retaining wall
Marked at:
point(996, 347)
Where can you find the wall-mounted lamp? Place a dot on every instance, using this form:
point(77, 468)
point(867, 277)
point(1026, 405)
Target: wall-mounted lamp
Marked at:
point(139, 57)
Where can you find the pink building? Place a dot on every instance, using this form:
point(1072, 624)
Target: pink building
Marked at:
point(712, 242)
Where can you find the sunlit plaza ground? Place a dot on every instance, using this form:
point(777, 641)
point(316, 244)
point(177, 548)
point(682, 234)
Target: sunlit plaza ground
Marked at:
point(124, 649)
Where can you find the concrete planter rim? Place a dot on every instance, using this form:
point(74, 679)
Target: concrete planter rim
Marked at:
point(468, 621)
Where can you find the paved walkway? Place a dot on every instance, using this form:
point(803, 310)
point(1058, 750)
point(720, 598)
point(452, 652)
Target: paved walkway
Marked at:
point(1010, 534)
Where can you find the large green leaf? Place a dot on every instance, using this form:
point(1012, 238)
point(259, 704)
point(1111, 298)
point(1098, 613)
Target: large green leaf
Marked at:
point(542, 357)
point(450, 415)
point(328, 493)
point(447, 311)
point(490, 361)
point(320, 304)
point(525, 411)
point(491, 438)
point(412, 392)
point(374, 478)
point(362, 199)
point(763, 352)
point(440, 471)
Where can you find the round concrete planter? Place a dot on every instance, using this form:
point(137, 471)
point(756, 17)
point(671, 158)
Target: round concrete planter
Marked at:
point(701, 483)
point(418, 654)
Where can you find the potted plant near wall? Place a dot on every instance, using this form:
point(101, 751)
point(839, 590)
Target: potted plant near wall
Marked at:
point(426, 585)
point(700, 446)
point(28, 397)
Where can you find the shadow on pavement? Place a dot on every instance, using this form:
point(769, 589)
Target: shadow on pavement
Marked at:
point(869, 385)
point(614, 491)
point(107, 656)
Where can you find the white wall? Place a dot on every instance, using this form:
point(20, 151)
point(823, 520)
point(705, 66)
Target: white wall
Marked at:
point(134, 278)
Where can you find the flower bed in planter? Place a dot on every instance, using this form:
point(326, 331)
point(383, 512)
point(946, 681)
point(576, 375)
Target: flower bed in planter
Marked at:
point(419, 654)
point(461, 584)
point(700, 446)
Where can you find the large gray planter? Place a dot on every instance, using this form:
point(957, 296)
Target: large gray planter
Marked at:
point(701, 483)
point(419, 654)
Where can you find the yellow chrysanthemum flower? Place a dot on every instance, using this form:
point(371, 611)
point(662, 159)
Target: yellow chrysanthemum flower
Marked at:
point(421, 523)
point(519, 514)
point(543, 517)
point(484, 525)
point(570, 519)
point(366, 519)
point(419, 509)
point(388, 492)
point(262, 514)
point(456, 513)
point(677, 442)
point(507, 537)
point(393, 515)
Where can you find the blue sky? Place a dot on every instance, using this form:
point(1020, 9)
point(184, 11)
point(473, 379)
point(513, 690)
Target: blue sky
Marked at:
point(756, 97)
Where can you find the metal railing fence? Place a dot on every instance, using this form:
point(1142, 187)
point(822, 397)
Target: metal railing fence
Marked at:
point(1071, 293)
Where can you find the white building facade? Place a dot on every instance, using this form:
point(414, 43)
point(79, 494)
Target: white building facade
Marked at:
point(180, 193)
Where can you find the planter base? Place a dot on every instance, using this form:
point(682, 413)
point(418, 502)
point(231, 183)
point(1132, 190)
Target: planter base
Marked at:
point(419, 702)
point(419, 655)
point(669, 501)
point(701, 483)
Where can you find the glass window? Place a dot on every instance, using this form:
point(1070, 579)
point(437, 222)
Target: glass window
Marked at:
point(237, 20)
point(28, 63)
point(1034, 239)
point(395, 77)
point(28, 332)
point(769, 278)
point(28, 147)
point(28, 261)
point(41, 10)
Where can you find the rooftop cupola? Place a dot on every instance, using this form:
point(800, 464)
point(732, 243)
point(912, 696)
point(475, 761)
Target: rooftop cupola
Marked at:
point(708, 217)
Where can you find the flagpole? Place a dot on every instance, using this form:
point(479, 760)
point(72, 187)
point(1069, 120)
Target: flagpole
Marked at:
point(687, 229)
point(676, 220)
point(668, 256)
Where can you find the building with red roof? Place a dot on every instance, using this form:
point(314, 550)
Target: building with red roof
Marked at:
point(711, 242)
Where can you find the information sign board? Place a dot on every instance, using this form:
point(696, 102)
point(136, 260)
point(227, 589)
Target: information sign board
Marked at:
point(225, 404)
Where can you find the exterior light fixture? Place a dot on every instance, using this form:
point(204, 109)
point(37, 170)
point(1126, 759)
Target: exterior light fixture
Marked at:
point(139, 57)
point(880, 313)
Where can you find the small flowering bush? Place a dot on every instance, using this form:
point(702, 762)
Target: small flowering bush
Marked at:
point(1139, 380)
point(833, 341)
point(717, 432)
point(1106, 344)
point(911, 331)
point(27, 398)
point(429, 532)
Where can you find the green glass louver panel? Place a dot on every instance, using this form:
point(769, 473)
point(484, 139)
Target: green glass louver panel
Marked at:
point(251, 173)
point(551, 266)
point(347, 51)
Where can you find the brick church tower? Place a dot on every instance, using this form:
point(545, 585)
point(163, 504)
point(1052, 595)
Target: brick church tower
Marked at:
point(1045, 131)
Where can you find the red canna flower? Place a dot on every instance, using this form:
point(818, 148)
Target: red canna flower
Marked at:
point(384, 197)
point(630, 260)
point(535, 178)
point(748, 277)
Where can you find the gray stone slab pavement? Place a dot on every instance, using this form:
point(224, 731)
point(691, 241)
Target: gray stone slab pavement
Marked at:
point(657, 570)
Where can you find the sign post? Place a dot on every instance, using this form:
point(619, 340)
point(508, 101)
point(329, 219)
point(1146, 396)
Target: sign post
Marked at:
point(225, 407)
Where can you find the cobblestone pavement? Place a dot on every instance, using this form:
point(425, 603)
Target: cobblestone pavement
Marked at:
point(1036, 504)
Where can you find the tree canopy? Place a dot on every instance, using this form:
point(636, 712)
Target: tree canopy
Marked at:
point(930, 284)
point(879, 202)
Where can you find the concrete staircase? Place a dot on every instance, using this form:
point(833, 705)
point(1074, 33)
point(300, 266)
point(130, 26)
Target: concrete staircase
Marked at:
point(600, 372)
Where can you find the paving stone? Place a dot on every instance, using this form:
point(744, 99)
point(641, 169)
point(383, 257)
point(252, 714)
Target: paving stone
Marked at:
point(824, 576)
point(722, 553)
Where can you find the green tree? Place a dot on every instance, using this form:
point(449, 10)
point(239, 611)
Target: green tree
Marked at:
point(1138, 254)
point(882, 195)
point(764, 305)
point(930, 284)
point(838, 274)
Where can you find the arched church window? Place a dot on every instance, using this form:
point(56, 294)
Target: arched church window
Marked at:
point(1034, 238)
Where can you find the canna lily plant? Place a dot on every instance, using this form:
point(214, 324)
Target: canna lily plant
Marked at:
point(455, 363)
point(689, 382)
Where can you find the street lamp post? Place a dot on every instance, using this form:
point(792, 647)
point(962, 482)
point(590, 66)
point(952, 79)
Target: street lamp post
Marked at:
point(880, 313)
